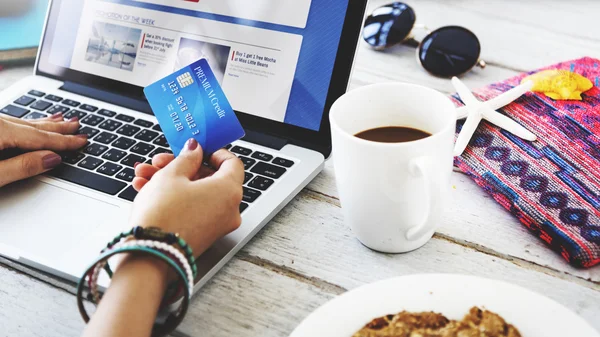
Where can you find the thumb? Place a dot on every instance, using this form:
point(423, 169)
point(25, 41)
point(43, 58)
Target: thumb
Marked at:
point(188, 162)
point(27, 165)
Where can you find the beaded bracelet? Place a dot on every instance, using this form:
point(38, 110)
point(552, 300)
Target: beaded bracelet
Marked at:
point(156, 234)
point(161, 246)
point(174, 319)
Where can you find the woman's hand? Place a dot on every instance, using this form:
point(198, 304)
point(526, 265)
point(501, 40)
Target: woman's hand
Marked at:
point(179, 196)
point(40, 137)
point(183, 196)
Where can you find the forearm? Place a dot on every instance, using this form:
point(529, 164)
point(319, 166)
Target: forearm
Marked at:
point(131, 303)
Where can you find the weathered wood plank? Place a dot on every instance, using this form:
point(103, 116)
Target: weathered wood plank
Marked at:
point(309, 237)
point(247, 299)
point(29, 307)
point(473, 218)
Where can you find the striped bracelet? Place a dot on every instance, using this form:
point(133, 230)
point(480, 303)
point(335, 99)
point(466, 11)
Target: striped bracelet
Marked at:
point(174, 318)
point(156, 234)
point(161, 246)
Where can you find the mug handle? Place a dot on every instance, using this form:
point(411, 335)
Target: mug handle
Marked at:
point(417, 167)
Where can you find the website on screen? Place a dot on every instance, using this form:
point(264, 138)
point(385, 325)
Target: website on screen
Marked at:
point(293, 13)
point(142, 46)
point(273, 58)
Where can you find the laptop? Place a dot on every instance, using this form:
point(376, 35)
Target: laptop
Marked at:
point(282, 64)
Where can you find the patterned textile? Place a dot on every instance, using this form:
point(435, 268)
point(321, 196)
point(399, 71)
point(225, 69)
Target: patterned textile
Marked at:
point(552, 185)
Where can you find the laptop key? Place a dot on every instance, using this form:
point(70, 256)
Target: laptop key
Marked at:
point(157, 128)
point(72, 157)
point(227, 147)
point(126, 175)
point(109, 169)
point(75, 113)
point(41, 105)
point(88, 108)
point(262, 156)
point(129, 194)
point(35, 115)
point(268, 170)
point(247, 162)
point(70, 103)
point(88, 179)
point(161, 141)
point(128, 130)
point(123, 143)
point(90, 132)
point(90, 163)
point(14, 111)
point(106, 113)
point(250, 195)
point(24, 100)
point(241, 150)
point(125, 118)
point(95, 149)
point(146, 135)
point(57, 109)
point(92, 120)
point(105, 138)
point(159, 150)
point(114, 155)
point(247, 177)
point(261, 183)
point(142, 148)
point(36, 93)
point(143, 123)
point(283, 162)
point(131, 159)
point(243, 207)
point(53, 98)
point(110, 125)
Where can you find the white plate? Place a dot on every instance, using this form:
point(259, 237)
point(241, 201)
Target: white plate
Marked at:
point(452, 295)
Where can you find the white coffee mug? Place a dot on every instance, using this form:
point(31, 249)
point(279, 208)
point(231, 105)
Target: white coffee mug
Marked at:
point(393, 194)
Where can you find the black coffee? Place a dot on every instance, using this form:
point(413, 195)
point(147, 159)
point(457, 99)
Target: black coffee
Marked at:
point(393, 134)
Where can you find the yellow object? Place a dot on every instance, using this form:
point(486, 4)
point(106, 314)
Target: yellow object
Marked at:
point(559, 84)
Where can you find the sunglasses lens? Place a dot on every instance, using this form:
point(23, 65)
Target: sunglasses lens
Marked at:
point(389, 25)
point(449, 51)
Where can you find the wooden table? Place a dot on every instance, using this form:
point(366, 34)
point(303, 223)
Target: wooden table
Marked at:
point(307, 255)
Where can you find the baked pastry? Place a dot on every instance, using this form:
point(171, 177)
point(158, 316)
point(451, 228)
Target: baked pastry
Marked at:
point(477, 323)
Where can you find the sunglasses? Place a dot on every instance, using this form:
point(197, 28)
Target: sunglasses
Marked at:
point(445, 52)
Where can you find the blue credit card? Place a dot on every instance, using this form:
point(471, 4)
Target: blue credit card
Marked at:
point(190, 103)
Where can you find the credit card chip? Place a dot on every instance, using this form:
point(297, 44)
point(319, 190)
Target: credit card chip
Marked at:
point(185, 80)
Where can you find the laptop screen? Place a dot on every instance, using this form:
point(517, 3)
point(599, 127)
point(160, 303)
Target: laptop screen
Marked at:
point(274, 58)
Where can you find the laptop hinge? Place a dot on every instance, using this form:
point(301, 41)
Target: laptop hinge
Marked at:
point(265, 140)
point(107, 97)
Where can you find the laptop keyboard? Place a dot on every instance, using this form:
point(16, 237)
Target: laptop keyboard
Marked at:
point(118, 141)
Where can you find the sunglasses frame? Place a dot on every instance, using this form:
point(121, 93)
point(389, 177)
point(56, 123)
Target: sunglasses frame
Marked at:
point(409, 40)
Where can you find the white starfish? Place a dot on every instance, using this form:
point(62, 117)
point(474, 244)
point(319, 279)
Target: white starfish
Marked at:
point(475, 111)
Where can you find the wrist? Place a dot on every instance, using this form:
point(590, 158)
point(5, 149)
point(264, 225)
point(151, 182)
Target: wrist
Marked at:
point(145, 266)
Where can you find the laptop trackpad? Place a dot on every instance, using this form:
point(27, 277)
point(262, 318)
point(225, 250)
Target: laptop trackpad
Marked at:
point(47, 221)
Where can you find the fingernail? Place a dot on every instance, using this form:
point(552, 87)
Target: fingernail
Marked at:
point(83, 135)
point(74, 119)
point(51, 161)
point(136, 164)
point(191, 144)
